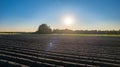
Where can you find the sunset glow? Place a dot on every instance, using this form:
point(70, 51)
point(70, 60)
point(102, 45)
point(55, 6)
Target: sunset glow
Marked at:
point(27, 15)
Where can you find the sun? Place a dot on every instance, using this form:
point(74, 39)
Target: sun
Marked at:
point(68, 20)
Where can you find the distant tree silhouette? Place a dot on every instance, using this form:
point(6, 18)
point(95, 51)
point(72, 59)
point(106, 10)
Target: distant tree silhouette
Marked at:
point(64, 31)
point(44, 29)
point(67, 31)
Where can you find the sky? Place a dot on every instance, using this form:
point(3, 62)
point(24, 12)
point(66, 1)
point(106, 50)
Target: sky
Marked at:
point(27, 15)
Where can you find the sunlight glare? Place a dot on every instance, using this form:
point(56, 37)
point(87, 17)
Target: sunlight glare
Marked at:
point(68, 20)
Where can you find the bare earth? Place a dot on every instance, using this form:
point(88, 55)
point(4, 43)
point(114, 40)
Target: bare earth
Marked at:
point(101, 47)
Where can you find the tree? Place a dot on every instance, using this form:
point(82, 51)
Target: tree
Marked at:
point(44, 29)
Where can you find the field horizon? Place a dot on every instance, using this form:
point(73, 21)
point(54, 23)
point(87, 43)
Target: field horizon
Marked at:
point(59, 33)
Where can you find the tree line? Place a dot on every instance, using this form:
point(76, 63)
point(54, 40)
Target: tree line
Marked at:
point(45, 29)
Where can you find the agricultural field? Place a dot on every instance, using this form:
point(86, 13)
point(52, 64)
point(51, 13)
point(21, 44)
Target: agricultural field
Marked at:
point(59, 50)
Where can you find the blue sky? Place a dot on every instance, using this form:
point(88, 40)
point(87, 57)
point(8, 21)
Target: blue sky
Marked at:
point(27, 15)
